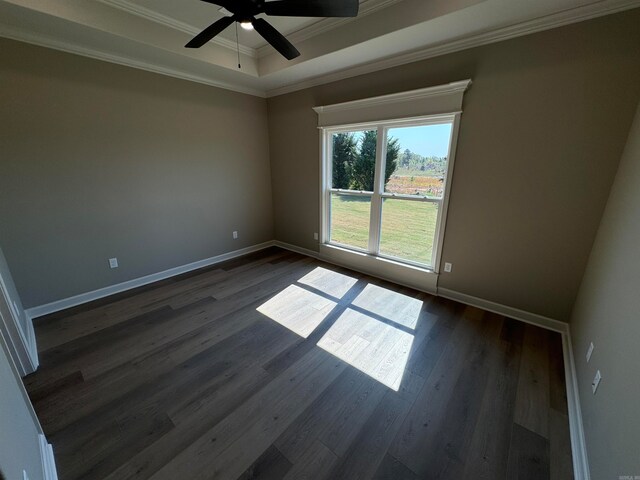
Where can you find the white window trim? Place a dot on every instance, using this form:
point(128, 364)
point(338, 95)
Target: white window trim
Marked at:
point(433, 104)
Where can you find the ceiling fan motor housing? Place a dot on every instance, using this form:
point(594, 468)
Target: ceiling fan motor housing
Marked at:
point(244, 11)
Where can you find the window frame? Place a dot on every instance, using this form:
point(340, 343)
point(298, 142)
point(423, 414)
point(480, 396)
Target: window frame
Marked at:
point(378, 195)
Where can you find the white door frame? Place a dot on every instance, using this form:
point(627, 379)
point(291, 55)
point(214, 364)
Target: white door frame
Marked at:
point(21, 343)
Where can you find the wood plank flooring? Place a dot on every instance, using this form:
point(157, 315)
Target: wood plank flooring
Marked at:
point(278, 366)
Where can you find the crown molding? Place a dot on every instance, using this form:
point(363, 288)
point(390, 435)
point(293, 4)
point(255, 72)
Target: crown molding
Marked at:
point(548, 22)
point(44, 41)
point(153, 16)
point(327, 24)
point(410, 96)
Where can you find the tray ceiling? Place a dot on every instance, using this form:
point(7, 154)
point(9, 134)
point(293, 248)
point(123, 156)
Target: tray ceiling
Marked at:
point(150, 34)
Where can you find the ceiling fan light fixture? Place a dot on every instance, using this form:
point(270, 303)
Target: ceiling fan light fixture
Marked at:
point(244, 12)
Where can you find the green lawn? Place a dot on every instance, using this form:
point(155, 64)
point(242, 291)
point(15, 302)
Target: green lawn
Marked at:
point(408, 228)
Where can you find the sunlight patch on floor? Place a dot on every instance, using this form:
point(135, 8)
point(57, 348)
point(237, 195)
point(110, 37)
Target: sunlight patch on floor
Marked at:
point(329, 282)
point(373, 347)
point(364, 337)
point(394, 306)
point(297, 309)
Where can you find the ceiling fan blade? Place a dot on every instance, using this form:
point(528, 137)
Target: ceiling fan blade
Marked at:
point(210, 32)
point(312, 8)
point(275, 38)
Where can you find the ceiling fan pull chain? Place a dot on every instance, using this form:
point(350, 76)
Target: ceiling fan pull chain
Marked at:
point(238, 46)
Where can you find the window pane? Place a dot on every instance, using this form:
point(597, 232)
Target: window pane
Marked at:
point(417, 159)
point(354, 160)
point(408, 229)
point(350, 217)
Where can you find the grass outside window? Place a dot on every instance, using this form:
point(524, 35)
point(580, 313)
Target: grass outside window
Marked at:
point(408, 230)
point(350, 218)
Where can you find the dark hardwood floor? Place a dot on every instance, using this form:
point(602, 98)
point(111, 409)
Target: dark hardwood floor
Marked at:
point(276, 365)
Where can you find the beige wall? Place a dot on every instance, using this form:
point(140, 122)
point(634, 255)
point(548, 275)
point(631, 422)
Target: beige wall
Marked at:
point(99, 161)
point(607, 313)
point(543, 128)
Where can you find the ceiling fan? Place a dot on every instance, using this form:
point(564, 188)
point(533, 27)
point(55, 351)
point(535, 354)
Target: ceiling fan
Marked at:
point(245, 11)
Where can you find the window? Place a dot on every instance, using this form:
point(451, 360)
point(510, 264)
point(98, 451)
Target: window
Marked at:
point(386, 166)
point(385, 187)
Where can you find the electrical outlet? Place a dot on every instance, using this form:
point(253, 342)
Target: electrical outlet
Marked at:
point(589, 352)
point(448, 267)
point(235, 235)
point(315, 236)
point(113, 263)
point(596, 382)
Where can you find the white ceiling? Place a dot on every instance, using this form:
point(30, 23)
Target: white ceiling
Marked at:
point(150, 34)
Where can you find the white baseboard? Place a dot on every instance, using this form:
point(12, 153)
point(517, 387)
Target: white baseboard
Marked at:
point(296, 249)
point(65, 303)
point(48, 460)
point(511, 312)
